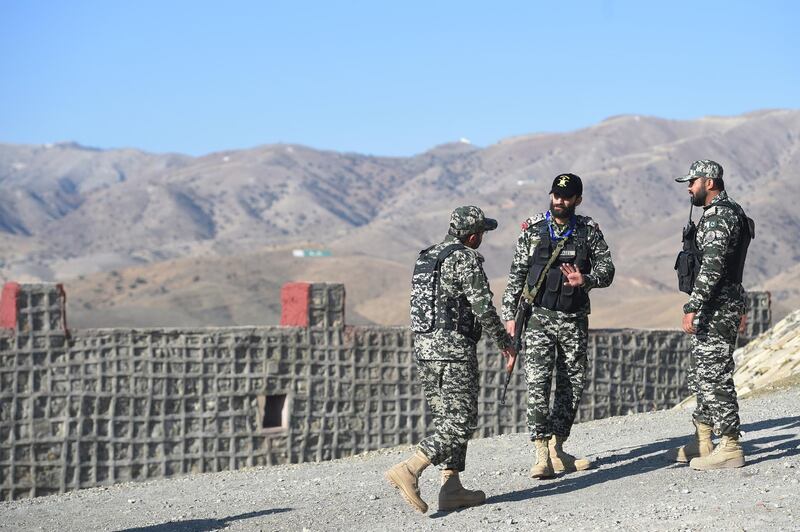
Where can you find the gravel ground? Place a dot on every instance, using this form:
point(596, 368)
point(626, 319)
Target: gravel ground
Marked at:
point(633, 487)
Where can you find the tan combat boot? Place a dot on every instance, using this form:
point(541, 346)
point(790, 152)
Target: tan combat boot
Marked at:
point(543, 468)
point(405, 477)
point(699, 447)
point(564, 462)
point(453, 496)
point(727, 454)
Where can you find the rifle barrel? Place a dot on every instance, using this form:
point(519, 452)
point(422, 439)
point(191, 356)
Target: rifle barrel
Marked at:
point(505, 389)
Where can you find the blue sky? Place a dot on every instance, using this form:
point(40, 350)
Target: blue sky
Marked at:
point(386, 78)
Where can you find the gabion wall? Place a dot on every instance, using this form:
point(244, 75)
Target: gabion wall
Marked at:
point(759, 316)
point(97, 407)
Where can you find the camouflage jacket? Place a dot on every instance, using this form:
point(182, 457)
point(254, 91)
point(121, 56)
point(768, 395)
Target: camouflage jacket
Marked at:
point(718, 233)
point(462, 273)
point(601, 275)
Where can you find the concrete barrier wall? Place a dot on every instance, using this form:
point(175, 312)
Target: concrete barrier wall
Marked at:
point(95, 407)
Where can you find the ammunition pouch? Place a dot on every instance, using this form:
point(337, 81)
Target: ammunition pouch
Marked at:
point(554, 293)
point(690, 258)
point(687, 265)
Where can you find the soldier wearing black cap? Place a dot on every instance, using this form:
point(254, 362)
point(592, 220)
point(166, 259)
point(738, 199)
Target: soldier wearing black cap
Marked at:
point(559, 258)
point(451, 304)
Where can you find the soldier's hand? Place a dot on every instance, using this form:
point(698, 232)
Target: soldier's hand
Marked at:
point(743, 324)
point(510, 326)
point(573, 275)
point(688, 323)
point(511, 356)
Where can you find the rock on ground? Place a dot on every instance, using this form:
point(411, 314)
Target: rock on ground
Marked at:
point(633, 487)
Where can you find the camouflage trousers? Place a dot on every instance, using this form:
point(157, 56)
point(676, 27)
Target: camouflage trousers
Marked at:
point(711, 374)
point(451, 390)
point(554, 341)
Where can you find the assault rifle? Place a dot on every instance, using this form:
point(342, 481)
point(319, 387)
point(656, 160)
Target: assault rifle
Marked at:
point(524, 311)
point(687, 265)
point(520, 318)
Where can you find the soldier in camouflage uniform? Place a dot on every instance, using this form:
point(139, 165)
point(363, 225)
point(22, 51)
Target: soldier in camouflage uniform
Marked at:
point(447, 361)
point(713, 316)
point(567, 256)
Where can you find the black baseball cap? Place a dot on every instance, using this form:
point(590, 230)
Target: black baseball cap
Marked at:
point(567, 185)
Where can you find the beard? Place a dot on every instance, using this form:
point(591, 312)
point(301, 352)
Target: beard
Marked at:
point(562, 212)
point(699, 199)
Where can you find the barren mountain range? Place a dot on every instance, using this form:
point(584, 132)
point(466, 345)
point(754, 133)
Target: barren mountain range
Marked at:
point(143, 239)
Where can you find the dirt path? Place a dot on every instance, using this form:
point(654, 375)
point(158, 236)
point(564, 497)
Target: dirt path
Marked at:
point(633, 488)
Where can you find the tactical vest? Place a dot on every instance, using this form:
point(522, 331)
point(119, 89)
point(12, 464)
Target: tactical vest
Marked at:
point(431, 307)
point(691, 257)
point(553, 294)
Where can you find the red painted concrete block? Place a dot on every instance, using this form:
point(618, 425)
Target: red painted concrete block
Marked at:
point(8, 306)
point(294, 304)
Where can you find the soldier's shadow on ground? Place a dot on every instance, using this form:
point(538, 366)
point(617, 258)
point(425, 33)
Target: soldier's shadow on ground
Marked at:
point(652, 456)
point(203, 525)
point(765, 448)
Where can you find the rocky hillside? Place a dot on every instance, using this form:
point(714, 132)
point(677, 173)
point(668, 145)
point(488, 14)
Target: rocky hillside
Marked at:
point(145, 239)
point(771, 358)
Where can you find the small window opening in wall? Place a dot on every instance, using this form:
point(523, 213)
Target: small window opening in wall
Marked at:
point(274, 413)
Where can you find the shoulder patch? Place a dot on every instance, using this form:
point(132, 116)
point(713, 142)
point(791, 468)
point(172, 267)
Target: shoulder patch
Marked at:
point(533, 220)
point(712, 236)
